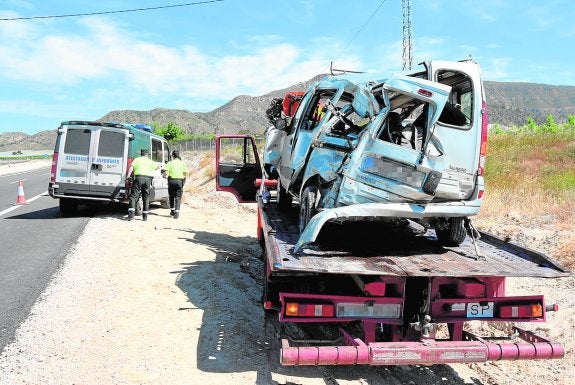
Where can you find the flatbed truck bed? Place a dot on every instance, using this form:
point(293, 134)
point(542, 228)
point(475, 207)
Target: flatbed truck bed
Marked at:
point(360, 249)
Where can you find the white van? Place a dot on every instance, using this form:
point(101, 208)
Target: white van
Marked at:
point(91, 159)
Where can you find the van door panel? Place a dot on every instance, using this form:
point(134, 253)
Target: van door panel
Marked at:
point(107, 163)
point(74, 164)
point(460, 142)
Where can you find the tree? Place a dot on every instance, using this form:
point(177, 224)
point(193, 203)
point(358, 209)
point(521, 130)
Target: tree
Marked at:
point(570, 124)
point(171, 131)
point(531, 125)
point(550, 125)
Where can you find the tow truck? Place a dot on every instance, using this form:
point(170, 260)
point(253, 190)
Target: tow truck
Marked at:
point(387, 294)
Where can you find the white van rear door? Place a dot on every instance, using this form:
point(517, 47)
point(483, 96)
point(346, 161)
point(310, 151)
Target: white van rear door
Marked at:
point(109, 149)
point(458, 129)
point(74, 158)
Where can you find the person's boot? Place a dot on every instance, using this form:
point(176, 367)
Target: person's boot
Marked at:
point(172, 212)
point(130, 216)
point(144, 217)
point(176, 215)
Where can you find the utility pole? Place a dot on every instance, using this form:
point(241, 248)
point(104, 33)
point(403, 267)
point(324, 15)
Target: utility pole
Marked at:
point(407, 46)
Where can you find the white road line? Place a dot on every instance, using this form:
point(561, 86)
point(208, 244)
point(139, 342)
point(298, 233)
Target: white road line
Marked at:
point(27, 201)
point(17, 181)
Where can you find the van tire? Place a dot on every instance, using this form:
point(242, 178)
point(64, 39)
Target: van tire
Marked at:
point(165, 204)
point(139, 207)
point(452, 232)
point(68, 206)
point(307, 208)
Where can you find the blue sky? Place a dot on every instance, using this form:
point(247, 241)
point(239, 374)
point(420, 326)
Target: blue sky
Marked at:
point(198, 57)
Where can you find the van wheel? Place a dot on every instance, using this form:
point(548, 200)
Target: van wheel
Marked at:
point(68, 206)
point(165, 204)
point(451, 232)
point(307, 207)
point(139, 207)
point(284, 199)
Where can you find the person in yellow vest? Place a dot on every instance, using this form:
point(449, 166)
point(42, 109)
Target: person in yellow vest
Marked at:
point(176, 172)
point(143, 170)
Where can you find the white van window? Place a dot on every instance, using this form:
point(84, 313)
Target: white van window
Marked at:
point(157, 154)
point(77, 141)
point(459, 107)
point(111, 144)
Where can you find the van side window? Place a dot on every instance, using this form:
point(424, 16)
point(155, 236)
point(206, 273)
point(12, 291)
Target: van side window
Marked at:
point(111, 144)
point(166, 152)
point(77, 141)
point(458, 109)
point(157, 150)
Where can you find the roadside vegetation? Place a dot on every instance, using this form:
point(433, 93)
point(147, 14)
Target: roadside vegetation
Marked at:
point(530, 176)
point(531, 169)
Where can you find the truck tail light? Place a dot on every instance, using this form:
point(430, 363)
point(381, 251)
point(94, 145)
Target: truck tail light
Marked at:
point(534, 310)
point(54, 167)
point(309, 310)
point(483, 146)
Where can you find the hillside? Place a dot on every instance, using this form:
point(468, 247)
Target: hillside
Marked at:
point(508, 104)
point(19, 141)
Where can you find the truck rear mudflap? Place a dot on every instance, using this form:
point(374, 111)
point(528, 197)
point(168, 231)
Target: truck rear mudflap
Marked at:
point(526, 346)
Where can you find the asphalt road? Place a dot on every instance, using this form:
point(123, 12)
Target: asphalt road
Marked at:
point(34, 241)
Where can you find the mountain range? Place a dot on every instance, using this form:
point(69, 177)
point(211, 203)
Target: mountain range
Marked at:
point(508, 104)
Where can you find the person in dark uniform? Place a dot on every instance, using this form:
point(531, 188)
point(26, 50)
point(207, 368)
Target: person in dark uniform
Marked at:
point(176, 172)
point(143, 170)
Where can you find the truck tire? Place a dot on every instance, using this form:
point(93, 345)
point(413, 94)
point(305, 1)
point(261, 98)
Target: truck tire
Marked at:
point(451, 233)
point(307, 207)
point(68, 206)
point(284, 199)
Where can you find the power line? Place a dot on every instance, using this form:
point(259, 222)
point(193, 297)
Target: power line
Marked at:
point(111, 12)
point(360, 29)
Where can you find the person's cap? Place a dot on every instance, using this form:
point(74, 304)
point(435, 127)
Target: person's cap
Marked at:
point(176, 154)
point(144, 151)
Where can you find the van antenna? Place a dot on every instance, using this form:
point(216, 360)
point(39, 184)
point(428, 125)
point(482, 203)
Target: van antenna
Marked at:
point(333, 71)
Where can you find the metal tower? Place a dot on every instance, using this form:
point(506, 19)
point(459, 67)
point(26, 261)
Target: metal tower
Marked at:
point(407, 46)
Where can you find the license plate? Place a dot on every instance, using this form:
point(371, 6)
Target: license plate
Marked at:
point(480, 310)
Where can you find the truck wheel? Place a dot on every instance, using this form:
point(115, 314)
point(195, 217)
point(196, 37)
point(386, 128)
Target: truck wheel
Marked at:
point(452, 232)
point(68, 206)
point(307, 207)
point(284, 199)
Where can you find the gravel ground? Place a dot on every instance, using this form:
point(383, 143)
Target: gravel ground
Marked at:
point(177, 302)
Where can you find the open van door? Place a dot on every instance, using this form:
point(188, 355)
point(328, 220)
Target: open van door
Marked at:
point(237, 166)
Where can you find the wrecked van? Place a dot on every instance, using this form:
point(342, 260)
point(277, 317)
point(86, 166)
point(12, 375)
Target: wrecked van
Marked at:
point(409, 147)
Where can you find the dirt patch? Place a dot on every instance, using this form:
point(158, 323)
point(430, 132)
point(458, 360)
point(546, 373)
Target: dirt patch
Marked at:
point(178, 302)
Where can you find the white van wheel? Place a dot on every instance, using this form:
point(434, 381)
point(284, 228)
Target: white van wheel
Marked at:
point(165, 204)
point(451, 232)
point(68, 206)
point(139, 207)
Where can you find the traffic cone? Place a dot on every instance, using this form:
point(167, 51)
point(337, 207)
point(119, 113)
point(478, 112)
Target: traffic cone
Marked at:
point(21, 198)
